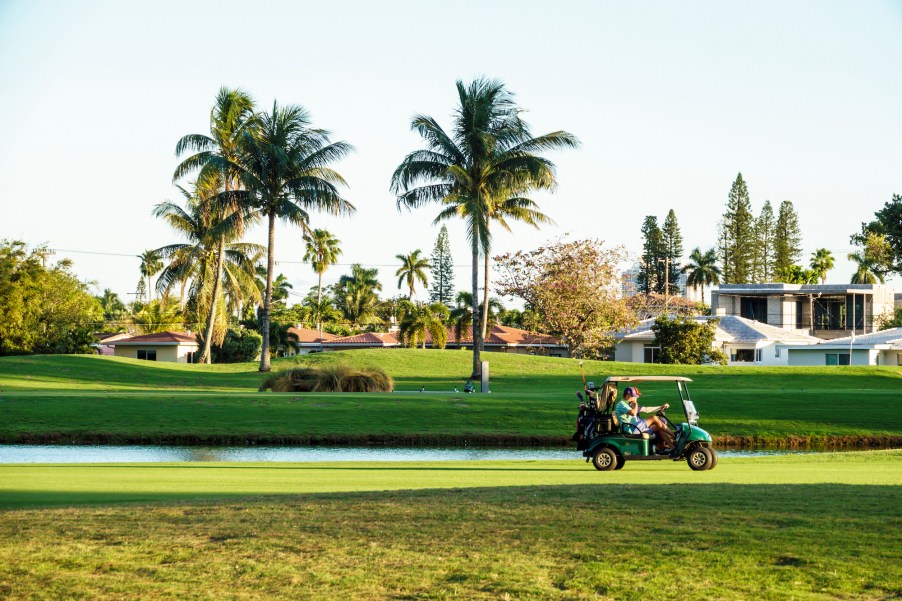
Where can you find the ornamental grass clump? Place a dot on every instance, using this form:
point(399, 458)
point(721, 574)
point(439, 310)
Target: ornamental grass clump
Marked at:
point(337, 377)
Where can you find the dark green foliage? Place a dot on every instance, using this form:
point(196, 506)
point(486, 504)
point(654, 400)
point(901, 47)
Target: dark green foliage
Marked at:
point(672, 241)
point(703, 269)
point(787, 240)
point(890, 320)
point(43, 310)
point(331, 377)
point(796, 274)
point(765, 229)
point(355, 294)
point(683, 340)
point(238, 346)
point(651, 275)
point(887, 222)
point(737, 235)
point(442, 289)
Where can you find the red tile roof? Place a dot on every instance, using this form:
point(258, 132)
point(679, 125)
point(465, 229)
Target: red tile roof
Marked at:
point(308, 336)
point(371, 338)
point(159, 338)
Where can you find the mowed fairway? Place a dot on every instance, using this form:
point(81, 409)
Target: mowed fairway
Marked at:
point(821, 526)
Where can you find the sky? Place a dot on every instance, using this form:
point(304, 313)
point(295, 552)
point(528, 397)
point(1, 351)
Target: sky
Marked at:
point(670, 101)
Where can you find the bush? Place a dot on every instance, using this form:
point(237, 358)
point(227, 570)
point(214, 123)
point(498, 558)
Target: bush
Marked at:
point(335, 377)
point(684, 341)
point(238, 346)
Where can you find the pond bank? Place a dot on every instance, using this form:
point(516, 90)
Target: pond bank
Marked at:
point(430, 440)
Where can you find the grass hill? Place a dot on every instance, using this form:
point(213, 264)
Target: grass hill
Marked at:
point(105, 399)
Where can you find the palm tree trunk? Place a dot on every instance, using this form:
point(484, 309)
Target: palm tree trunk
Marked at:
point(477, 330)
point(319, 305)
point(205, 356)
point(267, 298)
point(485, 302)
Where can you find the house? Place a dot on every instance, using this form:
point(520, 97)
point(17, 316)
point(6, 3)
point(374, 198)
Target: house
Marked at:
point(499, 338)
point(103, 342)
point(308, 341)
point(826, 311)
point(743, 341)
point(876, 348)
point(175, 347)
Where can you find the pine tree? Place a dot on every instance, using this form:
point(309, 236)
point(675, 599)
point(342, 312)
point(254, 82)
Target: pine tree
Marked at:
point(672, 240)
point(764, 244)
point(651, 276)
point(787, 238)
point(442, 289)
point(737, 236)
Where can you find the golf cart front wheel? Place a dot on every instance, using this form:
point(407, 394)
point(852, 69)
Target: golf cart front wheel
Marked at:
point(604, 460)
point(699, 459)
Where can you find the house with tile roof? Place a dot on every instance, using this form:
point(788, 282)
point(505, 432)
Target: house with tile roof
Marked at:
point(499, 338)
point(743, 341)
point(175, 347)
point(308, 341)
point(877, 348)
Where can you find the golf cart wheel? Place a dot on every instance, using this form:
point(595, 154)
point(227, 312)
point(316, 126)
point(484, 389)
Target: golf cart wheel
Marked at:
point(699, 459)
point(620, 462)
point(604, 460)
point(713, 458)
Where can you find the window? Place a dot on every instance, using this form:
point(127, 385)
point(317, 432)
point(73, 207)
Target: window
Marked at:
point(777, 352)
point(753, 308)
point(147, 355)
point(837, 358)
point(652, 354)
point(758, 355)
point(745, 355)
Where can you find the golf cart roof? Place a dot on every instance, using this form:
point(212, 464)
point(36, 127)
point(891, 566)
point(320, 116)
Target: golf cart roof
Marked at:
point(647, 379)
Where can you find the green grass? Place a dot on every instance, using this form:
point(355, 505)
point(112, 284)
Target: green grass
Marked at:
point(802, 527)
point(99, 399)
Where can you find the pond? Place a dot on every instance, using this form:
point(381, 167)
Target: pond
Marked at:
point(175, 454)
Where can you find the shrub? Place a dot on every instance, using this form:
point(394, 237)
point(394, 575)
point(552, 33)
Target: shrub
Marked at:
point(238, 346)
point(335, 377)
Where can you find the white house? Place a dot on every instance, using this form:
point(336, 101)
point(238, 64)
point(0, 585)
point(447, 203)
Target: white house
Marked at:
point(744, 341)
point(877, 348)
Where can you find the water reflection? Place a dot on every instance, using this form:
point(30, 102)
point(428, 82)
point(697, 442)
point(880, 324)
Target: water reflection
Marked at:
point(174, 454)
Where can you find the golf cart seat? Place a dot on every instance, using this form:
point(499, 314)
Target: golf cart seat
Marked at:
point(625, 429)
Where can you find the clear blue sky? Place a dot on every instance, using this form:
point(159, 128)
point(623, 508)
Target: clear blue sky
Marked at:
point(670, 100)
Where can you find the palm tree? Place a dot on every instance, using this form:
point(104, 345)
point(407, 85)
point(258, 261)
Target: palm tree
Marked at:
point(413, 268)
point(151, 264)
point(821, 263)
point(356, 294)
point(231, 117)
point(322, 251)
point(207, 225)
point(159, 316)
point(868, 269)
point(419, 320)
point(461, 316)
point(702, 269)
point(285, 166)
point(488, 157)
point(281, 289)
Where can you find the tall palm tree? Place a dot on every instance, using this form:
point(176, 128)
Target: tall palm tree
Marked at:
point(285, 166)
point(702, 269)
point(413, 268)
point(151, 264)
point(489, 156)
point(231, 117)
point(821, 263)
point(419, 320)
point(867, 270)
point(207, 227)
point(281, 289)
point(322, 250)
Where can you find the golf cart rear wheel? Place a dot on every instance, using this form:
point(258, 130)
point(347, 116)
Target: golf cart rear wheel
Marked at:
point(699, 459)
point(604, 460)
point(620, 462)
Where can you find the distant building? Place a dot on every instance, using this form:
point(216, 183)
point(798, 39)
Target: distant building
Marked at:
point(175, 347)
point(877, 348)
point(743, 341)
point(826, 311)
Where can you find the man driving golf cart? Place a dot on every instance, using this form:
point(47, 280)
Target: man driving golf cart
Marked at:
point(628, 411)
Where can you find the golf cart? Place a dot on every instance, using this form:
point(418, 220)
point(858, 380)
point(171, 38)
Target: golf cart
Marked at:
point(609, 443)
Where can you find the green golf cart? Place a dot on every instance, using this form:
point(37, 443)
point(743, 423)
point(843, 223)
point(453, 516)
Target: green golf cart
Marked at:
point(608, 443)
